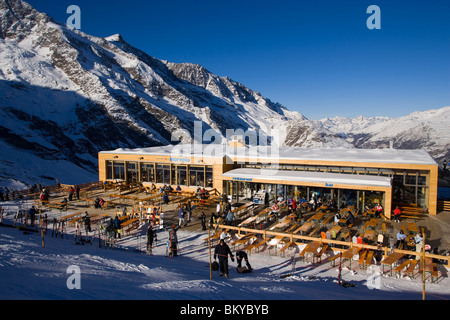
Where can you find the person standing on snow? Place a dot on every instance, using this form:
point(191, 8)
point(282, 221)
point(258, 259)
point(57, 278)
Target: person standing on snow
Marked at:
point(222, 251)
point(173, 239)
point(180, 215)
point(87, 222)
point(203, 220)
point(32, 214)
point(150, 237)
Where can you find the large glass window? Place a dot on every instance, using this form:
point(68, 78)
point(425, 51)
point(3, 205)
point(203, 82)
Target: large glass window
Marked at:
point(209, 177)
point(197, 176)
point(163, 174)
point(181, 172)
point(410, 187)
point(109, 170)
point(132, 172)
point(119, 170)
point(148, 172)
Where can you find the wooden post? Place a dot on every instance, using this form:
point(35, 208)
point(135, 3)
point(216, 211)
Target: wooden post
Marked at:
point(42, 227)
point(423, 268)
point(209, 245)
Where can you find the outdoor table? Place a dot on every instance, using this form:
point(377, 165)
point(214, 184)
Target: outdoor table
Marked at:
point(391, 259)
point(317, 217)
point(248, 221)
point(412, 227)
point(281, 224)
point(372, 223)
point(310, 248)
point(306, 227)
point(369, 234)
point(411, 243)
point(336, 230)
point(350, 253)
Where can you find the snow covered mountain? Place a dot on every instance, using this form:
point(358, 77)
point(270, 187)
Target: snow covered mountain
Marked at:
point(67, 95)
point(429, 130)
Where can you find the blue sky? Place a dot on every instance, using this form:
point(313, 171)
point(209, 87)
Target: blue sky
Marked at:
point(316, 57)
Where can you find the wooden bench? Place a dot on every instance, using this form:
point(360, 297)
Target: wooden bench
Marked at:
point(311, 248)
point(243, 240)
point(318, 255)
point(412, 212)
point(59, 206)
point(333, 258)
point(288, 245)
point(256, 244)
point(431, 268)
point(365, 258)
point(399, 268)
point(369, 258)
point(129, 225)
point(443, 205)
point(412, 268)
point(70, 216)
point(362, 258)
point(434, 272)
point(214, 236)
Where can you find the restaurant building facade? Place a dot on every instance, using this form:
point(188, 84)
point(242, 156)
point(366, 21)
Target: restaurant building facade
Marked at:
point(358, 177)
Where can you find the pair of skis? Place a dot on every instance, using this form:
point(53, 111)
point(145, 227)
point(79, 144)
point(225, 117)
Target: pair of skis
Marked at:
point(58, 228)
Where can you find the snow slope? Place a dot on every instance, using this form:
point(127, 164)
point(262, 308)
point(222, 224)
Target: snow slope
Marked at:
point(29, 271)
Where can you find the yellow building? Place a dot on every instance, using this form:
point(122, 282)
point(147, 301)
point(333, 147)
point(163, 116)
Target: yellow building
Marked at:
point(359, 177)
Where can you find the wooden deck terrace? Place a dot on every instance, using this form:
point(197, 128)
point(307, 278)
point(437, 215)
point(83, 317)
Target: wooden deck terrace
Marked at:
point(318, 227)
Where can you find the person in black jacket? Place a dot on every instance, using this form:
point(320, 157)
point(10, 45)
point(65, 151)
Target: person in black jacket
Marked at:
point(150, 237)
point(203, 220)
point(222, 251)
point(87, 222)
point(173, 238)
point(242, 256)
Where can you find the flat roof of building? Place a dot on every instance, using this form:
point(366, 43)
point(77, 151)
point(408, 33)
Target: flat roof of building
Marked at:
point(397, 156)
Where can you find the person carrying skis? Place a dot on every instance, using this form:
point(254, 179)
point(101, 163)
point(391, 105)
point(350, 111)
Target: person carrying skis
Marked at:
point(222, 251)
